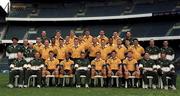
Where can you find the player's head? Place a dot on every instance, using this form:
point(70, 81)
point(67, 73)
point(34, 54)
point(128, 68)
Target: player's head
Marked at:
point(37, 55)
point(101, 33)
point(165, 43)
point(135, 42)
point(38, 40)
point(25, 42)
point(46, 43)
point(113, 54)
point(146, 55)
point(15, 40)
point(151, 42)
point(98, 55)
point(129, 54)
point(43, 33)
point(19, 55)
point(51, 54)
point(83, 55)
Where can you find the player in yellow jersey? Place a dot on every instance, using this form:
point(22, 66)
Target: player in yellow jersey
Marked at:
point(52, 66)
point(45, 50)
point(93, 48)
point(38, 44)
point(114, 67)
point(131, 67)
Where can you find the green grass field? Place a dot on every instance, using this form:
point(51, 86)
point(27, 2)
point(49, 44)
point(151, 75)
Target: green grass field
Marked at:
point(54, 91)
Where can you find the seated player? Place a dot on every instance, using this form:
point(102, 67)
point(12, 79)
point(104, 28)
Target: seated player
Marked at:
point(168, 70)
point(98, 66)
point(131, 68)
point(51, 67)
point(146, 65)
point(16, 68)
point(114, 68)
point(67, 65)
point(82, 66)
point(34, 68)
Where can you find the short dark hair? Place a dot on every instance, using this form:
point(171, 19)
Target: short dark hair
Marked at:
point(15, 38)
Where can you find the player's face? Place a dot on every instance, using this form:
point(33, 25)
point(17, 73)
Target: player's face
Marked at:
point(43, 33)
point(37, 55)
point(82, 55)
point(119, 42)
point(46, 43)
point(76, 42)
point(129, 55)
point(38, 40)
point(19, 55)
point(94, 40)
point(165, 43)
point(127, 42)
point(58, 34)
point(113, 54)
point(51, 54)
point(115, 34)
point(163, 56)
point(98, 55)
point(135, 42)
point(15, 41)
point(146, 56)
point(30, 45)
point(128, 34)
point(25, 42)
point(87, 32)
point(101, 33)
point(151, 42)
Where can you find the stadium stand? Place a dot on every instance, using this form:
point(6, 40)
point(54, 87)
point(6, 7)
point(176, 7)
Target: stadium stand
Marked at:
point(88, 10)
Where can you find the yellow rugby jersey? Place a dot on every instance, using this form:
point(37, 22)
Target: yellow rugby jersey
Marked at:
point(71, 40)
point(113, 63)
point(115, 39)
point(130, 64)
point(87, 39)
point(54, 47)
point(104, 52)
point(137, 52)
point(45, 52)
point(51, 64)
point(111, 47)
point(61, 51)
point(57, 40)
point(121, 50)
point(102, 38)
point(68, 46)
point(38, 47)
point(98, 63)
point(67, 64)
point(76, 51)
point(93, 49)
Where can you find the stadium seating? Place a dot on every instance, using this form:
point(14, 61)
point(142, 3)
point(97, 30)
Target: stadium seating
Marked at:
point(98, 9)
point(144, 29)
